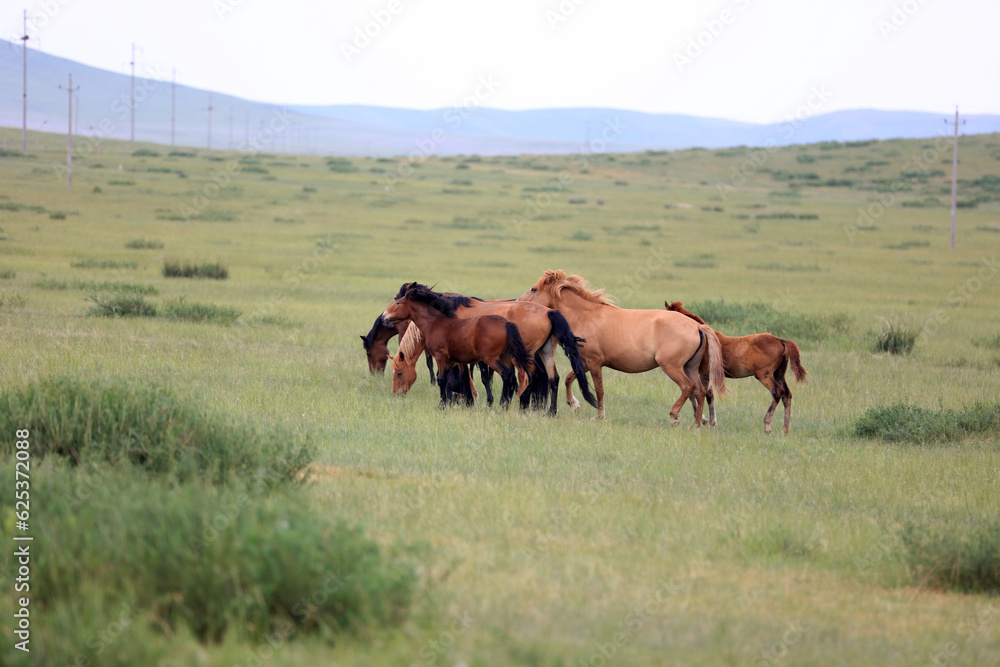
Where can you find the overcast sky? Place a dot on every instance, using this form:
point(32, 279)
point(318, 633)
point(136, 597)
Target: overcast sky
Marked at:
point(751, 60)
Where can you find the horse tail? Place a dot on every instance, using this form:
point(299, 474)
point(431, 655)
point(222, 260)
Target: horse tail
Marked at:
point(568, 341)
point(538, 385)
point(716, 367)
point(516, 348)
point(792, 354)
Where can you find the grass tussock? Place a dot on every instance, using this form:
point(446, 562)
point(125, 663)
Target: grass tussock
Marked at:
point(736, 319)
point(120, 304)
point(12, 301)
point(960, 554)
point(989, 342)
point(176, 269)
point(7, 274)
point(908, 423)
point(94, 263)
point(896, 336)
point(150, 427)
point(144, 244)
point(189, 311)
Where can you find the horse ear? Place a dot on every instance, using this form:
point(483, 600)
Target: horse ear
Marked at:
point(364, 338)
point(401, 355)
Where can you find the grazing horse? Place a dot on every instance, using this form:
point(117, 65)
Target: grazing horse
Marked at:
point(632, 341)
point(763, 356)
point(404, 365)
point(376, 344)
point(541, 328)
point(451, 340)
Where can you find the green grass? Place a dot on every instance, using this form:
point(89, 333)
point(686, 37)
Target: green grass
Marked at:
point(144, 244)
point(548, 533)
point(187, 311)
point(896, 336)
point(150, 426)
point(908, 423)
point(120, 304)
point(177, 269)
point(94, 263)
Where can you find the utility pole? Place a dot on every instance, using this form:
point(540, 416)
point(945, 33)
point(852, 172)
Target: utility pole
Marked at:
point(173, 104)
point(132, 63)
point(69, 136)
point(954, 177)
point(209, 150)
point(24, 111)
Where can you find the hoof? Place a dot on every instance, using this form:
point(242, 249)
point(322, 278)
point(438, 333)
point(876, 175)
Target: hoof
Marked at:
point(767, 429)
point(574, 405)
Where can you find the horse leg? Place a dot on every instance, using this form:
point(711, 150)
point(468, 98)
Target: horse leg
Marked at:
point(442, 380)
point(786, 398)
point(688, 390)
point(509, 381)
point(574, 404)
point(710, 400)
point(430, 366)
point(767, 380)
point(549, 359)
point(486, 377)
point(598, 390)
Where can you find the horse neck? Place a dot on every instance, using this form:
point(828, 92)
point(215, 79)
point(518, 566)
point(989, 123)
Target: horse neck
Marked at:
point(412, 344)
point(571, 301)
point(425, 318)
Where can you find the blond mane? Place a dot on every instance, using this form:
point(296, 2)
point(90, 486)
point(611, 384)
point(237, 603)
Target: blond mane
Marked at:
point(409, 342)
point(557, 281)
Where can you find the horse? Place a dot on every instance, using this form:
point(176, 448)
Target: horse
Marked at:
point(765, 357)
point(376, 344)
point(404, 366)
point(632, 341)
point(541, 328)
point(452, 340)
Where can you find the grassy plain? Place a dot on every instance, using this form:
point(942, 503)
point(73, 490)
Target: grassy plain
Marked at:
point(561, 541)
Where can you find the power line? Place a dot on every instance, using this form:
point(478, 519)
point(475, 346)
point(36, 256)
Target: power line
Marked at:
point(24, 111)
point(954, 177)
point(69, 136)
point(132, 63)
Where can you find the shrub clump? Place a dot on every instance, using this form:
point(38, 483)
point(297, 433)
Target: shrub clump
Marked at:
point(176, 269)
point(959, 555)
point(909, 423)
point(150, 426)
point(895, 336)
point(120, 304)
point(144, 244)
point(187, 311)
point(739, 319)
point(94, 263)
point(206, 560)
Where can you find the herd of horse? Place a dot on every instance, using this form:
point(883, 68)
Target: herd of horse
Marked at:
point(517, 339)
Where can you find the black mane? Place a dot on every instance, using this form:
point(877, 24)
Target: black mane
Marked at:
point(369, 338)
point(445, 304)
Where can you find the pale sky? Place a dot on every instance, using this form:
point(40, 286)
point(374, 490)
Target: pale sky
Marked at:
point(750, 60)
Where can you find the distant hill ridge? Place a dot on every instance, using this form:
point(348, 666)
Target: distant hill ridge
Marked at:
point(103, 112)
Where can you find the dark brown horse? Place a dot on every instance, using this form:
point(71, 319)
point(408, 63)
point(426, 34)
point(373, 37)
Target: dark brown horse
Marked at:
point(452, 341)
point(376, 344)
point(765, 357)
point(541, 328)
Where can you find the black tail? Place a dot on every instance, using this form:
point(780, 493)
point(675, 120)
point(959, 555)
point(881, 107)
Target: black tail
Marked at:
point(568, 341)
point(516, 348)
point(538, 386)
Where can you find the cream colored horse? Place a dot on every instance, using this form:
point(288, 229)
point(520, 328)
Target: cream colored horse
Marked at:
point(633, 341)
